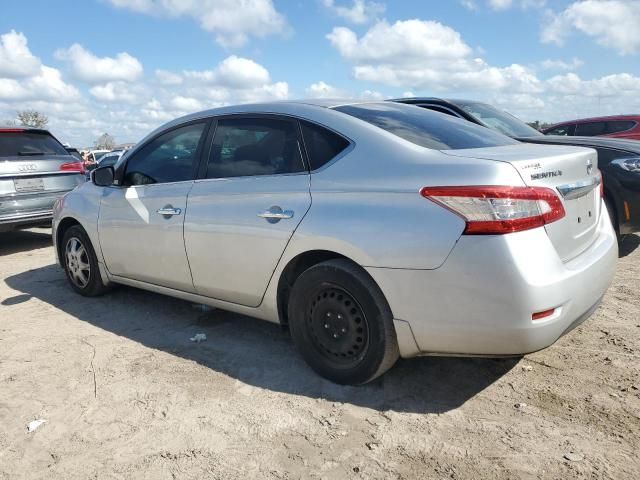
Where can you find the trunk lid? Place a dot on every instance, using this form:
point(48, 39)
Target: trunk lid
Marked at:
point(571, 172)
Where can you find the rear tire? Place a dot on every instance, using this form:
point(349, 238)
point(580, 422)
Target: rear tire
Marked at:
point(80, 263)
point(341, 323)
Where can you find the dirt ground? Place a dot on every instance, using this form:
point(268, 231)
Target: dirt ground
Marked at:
point(126, 394)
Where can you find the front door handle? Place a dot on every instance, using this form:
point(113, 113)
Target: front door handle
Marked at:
point(169, 211)
point(275, 214)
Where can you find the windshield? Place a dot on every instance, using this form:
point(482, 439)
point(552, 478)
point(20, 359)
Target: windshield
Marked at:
point(498, 120)
point(426, 128)
point(26, 143)
point(99, 155)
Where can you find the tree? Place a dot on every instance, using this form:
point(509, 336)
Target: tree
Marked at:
point(105, 142)
point(538, 125)
point(32, 118)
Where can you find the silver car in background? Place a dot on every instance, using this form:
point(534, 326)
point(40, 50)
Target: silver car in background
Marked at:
point(372, 230)
point(35, 170)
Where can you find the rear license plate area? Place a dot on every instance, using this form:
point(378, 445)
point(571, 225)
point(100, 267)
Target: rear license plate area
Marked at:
point(26, 185)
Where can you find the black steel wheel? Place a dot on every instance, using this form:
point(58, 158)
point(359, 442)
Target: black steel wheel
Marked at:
point(338, 326)
point(341, 323)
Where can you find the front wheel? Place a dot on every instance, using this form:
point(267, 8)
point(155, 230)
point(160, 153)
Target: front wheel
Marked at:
point(80, 263)
point(341, 323)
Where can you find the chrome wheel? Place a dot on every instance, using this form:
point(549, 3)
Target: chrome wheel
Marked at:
point(77, 262)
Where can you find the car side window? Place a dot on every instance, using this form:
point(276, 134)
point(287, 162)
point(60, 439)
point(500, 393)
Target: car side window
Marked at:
point(167, 158)
point(254, 146)
point(617, 126)
point(590, 129)
point(561, 130)
point(322, 145)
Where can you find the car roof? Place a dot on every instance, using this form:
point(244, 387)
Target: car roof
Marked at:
point(23, 128)
point(598, 119)
point(453, 101)
point(606, 142)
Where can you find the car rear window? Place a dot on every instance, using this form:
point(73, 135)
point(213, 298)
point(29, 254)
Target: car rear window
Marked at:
point(29, 144)
point(590, 129)
point(617, 126)
point(426, 128)
point(322, 145)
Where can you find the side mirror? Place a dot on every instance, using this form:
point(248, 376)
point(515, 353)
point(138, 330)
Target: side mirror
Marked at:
point(103, 176)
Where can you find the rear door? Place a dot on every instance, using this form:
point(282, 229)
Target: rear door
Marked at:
point(141, 222)
point(242, 213)
point(35, 169)
point(572, 172)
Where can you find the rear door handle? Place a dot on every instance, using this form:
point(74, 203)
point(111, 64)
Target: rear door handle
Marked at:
point(169, 211)
point(275, 214)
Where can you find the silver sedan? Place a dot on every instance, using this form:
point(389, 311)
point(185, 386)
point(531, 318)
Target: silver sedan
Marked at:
point(371, 230)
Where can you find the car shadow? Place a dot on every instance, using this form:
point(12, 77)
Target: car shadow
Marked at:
point(24, 240)
point(255, 352)
point(628, 244)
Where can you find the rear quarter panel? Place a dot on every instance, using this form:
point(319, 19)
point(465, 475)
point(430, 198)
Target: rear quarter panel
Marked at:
point(367, 205)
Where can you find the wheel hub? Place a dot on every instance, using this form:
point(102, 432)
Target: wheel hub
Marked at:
point(338, 324)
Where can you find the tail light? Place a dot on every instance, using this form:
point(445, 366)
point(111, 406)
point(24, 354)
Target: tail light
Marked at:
point(496, 210)
point(73, 167)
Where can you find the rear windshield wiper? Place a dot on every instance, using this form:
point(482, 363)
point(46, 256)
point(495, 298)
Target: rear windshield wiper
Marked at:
point(28, 154)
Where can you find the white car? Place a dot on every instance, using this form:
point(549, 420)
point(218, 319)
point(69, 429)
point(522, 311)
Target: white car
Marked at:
point(372, 230)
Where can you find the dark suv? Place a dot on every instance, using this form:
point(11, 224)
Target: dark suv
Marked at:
point(35, 170)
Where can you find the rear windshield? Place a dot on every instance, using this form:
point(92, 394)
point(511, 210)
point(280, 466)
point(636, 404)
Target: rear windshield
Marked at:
point(426, 128)
point(498, 119)
point(29, 144)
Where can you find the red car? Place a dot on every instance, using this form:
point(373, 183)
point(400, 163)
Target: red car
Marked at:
point(618, 126)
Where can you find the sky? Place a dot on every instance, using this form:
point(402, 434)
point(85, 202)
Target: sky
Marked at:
point(125, 67)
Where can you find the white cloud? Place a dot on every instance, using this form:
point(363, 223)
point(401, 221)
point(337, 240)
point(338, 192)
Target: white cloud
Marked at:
point(500, 4)
point(550, 64)
point(424, 54)
point(168, 78)
point(92, 69)
point(126, 109)
point(16, 60)
point(323, 90)
point(232, 21)
point(613, 24)
point(116, 92)
point(361, 11)
point(47, 84)
point(186, 104)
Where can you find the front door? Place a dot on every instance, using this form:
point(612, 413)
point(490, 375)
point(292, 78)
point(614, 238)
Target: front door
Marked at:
point(242, 215)
point(141, 222)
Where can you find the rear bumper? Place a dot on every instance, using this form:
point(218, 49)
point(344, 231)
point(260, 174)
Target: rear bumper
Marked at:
point(481, 300)
point(21, 211)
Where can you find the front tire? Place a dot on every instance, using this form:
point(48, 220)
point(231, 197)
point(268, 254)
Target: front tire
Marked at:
point(341, 323)
point(80, 263)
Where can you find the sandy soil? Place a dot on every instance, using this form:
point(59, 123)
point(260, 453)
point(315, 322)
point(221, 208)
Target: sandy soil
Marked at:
point(127, 395)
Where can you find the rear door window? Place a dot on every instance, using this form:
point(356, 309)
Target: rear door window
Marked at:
point(426, 128)
point(246, 146)
point(20, 144)
point(591, 129)
point(617, 126)
point(322, 145)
